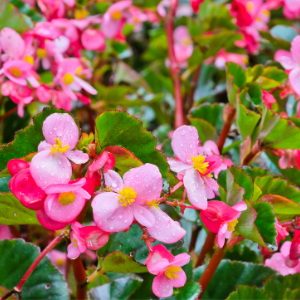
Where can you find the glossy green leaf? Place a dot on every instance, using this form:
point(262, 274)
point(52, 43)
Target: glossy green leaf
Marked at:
point(254, 172)
point(190, 291)
point(230, 274)
point(277, 285)
point(119, 289)
point(279, 43)
point(271, 78)
point(238, 74)
point(206, 130)
point(254, 72)
point(291, 294)
point(255, 93)
point(116, 128)
point(12, 212)
point(45, 282)
point(4, 188)
point(27, 140)
point(241, 252)
point(119, 262)
point(244, 292)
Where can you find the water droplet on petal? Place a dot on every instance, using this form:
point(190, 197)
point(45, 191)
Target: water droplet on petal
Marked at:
point(182, 132)
point(111, 226)
point(120, 216)
point(114, 184)
point(141, 212)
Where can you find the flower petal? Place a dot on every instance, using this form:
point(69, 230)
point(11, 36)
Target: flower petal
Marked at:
point(14, 166)
point(158, 267)
point(73, 251)
point(63, 188)
point(43, 146)
point(294, 77)
point(143, 215)
point(162, 286)
point(165, 230)
point(240, 206)
point(47, 222)
point(181, 260)
point(295, 48)
point(77, 156)
point(195, 188)
point(178, 166)
point(86, 86)
point(113, 180)
point(146, 181)
point(180, 281)
point(94, 237)
point(222, 234)
point(159, 252)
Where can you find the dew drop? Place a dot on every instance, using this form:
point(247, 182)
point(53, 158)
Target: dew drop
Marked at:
point(120, 216)
point(182, 132)
point(141, 212)
point(173, 233)
point(55, 128)
point(15, 214)
point(114, 184)
point(111, 226)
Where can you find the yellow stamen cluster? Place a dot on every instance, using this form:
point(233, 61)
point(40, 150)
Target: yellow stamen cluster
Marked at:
point(172, 271)
point(250, 6)
point(60, 262)
point(16, 72)
point(81, 14)
point(59, 147)
point(232, 224)
point(74, 241)
point(116, 15)
point(68, 78)
point(153, 203)
point(186, 41)
point(29, 59)
point(66, 198)
point(41, 53)
point(127, 196)
point(199, 164)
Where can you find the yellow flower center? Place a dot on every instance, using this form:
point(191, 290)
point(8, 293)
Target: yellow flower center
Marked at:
point(127, 196)
point(116, 15)
point(66, 198)
point(250, 6)
point(199, 164)
point(59, 147)
point(74, 241)
point(29, 59)
point(68, 78)
point(41, 53)
point(60, 262)
point(153, 203)
point(232, 224)
point(266, 12)
point(16, 72)
point(172, 271)
point(186, 41)
point(81, 13)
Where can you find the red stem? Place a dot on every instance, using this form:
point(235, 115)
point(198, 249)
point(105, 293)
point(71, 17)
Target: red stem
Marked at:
point(80, 277)
point(207, 247)
point(145, 237)
point(8, 113)
point(176, 204)
point(256, 149)
point(174, 67)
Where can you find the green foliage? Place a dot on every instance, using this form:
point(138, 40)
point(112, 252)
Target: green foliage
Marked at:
point(247, 292)
point(45, 282)
point(241, 252)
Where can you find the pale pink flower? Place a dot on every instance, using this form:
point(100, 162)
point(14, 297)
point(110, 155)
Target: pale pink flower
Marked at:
point(51, 164)
point(93, 39)
point(136, 18)
point(12, 44)
point(46, 30)
point(85, 237)
point(113, 19)
point(59, 260)
point(167, 269)
point(5, 232)
point(278, 261)
point(135, 198)
point(64, 202)
point(47, 222)
point(183, 44)
point(68, 76)
point(195, 167)
point(223, 57)
point(221, 218)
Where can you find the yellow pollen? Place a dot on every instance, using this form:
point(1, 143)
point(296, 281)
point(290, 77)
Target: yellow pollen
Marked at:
point(108, 189)
point(60, 262)
point(16, 72)
point(68, 78)
point(81, 13)
point(78, 73)
point(172, 271)
point(136, 19)
point(258, 19)
point(66, 198)
point(250, 6)
point(153, 203)
point(127, 196)
point(199, 164)
point(29, 59)
point(266, 12)
point(116, 15)
point(59, 147)
point(41, 53)
point(186, 41)
point(74, 241)
point(232, 224)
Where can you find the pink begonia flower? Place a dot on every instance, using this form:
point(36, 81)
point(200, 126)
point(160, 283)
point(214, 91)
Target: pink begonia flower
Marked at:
point(19, 72)
point(268, 99)
point(67, 29)
point(195, 167)
point(136, 18)
point(64, 202)
point(46, 30)
point(135, 198)
point(291, 8)
point(278, 261)
point(93, 39)
point(221, 218)
point(291, 62)
point(59, 260)
point(211, 148)
point(183, 44)
point(113, 19)
point(47, 222)
point(83, 20)
point(167, 269)
point(195, 5)
point(5, 232)
point(289, 159)
point(68, 76)
point(43, 93)
point(23, 186)
point(51, 165)
point(21, 95)
point(85, 237)
point(12, 44)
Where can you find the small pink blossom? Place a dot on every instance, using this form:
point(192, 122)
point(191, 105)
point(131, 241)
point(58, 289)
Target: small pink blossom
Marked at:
point(85, 237)
point(93, 39)
point(195, 5)
point(221, 218)
point(167, 269)
point(183, 44)
point(51, 164)
point(136, 18)
point(135, 198)
point(268, 99)
point(59, 260)
point(4, 232)
point(194, 165)
point(46, 30)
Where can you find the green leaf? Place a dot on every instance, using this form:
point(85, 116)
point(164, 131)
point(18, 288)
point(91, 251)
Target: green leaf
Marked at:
point(277, 285)
point(246, 292)
point(271, 78)
point(119, 262)
point(254, 172)
point(12, 212)
point(206, 130)
point(254, 72)
point(27, 140)
point(4, 188)
point(255, 93)
point(238, 73)
point(102, 279)
point(4, 291)
point(119, 289)
point(284, 209)
point(229, 274)
point(278, 43)
point(247, 121)
point(291, 294)
point(26, 10)
point(45, 282)
point(241, 252)
point(235, 193)
point(190, 291)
